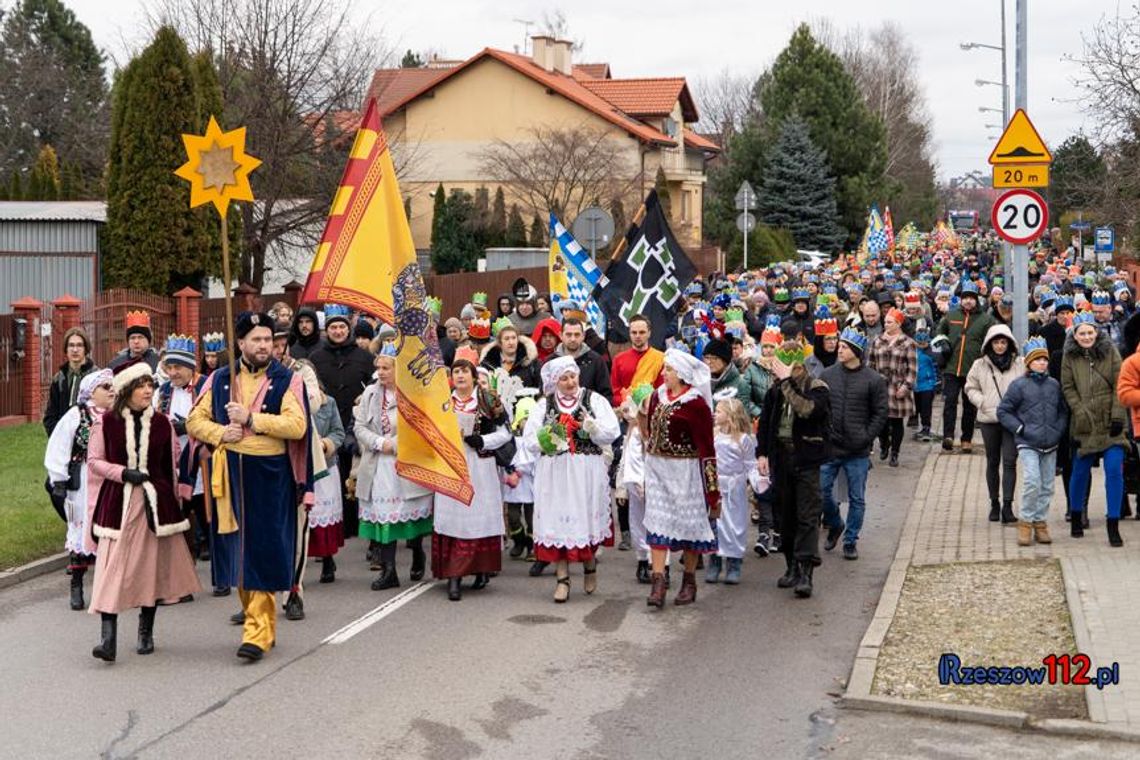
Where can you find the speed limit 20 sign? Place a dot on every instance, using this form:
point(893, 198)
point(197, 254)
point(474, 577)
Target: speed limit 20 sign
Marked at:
point(1020, 216)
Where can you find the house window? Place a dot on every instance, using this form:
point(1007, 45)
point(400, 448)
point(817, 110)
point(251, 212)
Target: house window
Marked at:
point(686, 199)
point(670, 127)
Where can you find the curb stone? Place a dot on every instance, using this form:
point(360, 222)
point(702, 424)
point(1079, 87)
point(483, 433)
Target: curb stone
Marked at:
point(33, 569)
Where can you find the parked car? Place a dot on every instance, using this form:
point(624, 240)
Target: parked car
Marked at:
point(812, 259)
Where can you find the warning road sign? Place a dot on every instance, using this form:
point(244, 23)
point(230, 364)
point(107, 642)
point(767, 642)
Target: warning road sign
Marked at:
point(1020, 143)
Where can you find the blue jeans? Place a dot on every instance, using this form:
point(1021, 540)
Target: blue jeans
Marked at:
point(1038, 472)
point(855, 468)
point(1113, 463)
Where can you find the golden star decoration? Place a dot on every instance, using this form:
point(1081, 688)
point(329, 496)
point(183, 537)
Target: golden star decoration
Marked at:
point(217, 167)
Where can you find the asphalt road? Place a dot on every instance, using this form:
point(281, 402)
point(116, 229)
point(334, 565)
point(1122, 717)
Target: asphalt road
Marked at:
point(746, 671)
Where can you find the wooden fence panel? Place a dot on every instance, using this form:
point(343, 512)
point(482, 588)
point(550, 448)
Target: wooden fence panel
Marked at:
point(455, 289)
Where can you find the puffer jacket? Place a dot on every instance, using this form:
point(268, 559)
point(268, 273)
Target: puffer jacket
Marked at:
point(731, 384)
point(859, 408)
point(986, 385)
point(1034, 410)
point(301, 346)
point(966, 331)
point(1088, 380)
point(524, 368)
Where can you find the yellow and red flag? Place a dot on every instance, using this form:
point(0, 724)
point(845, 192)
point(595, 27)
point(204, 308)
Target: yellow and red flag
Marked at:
point(366, 259)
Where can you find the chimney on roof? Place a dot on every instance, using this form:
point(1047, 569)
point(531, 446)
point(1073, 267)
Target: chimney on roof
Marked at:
point(551, 54)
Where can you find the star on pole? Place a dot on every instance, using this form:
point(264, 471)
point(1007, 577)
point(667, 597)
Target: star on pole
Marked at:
point(217, 167)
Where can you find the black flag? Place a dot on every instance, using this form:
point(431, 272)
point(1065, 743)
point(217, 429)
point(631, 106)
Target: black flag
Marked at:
point(647, 277)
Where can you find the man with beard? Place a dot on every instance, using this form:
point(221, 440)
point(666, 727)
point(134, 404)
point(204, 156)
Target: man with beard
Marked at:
point(593, 372)
point(636, 365)
point(345, 370)
point(306, 335)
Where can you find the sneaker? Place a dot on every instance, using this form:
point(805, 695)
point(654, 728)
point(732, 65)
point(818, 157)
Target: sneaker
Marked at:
point(947, 444)
point(763, 542)
point(833, 534)
point(967, 447)
point(776, 543)
point(625, 544)
point(850, 552)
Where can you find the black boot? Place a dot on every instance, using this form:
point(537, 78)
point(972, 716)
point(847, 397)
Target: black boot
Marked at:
point(995, 510)
point(294, 607)
point(1125, 507)
point(77, 602)
point(791, 575)
point(1113, 526)
point(419, 560)
point(146, 630)
point(1076, 526)
point(454, 589)
point(1007, 513)
point(480, 582)
point(388, 578)
point(643, 574)
point(803, 581)
point(894, 459)
point(108, 645)
point(328, 570)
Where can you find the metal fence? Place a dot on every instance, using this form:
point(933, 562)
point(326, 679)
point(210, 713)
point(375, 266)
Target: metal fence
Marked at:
point(104, 319)
point(11, 369)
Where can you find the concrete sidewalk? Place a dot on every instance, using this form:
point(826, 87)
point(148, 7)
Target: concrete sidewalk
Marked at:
point(948, 523)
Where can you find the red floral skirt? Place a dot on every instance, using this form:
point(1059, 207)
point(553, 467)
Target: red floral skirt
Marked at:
point(326, 540)
point(457, 557)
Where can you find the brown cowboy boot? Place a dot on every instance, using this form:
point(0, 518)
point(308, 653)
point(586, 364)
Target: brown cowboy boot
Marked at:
point(688, 592)
point(657, 592)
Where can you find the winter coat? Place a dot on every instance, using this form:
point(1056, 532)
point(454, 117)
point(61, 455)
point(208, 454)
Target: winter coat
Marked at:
point(551, 326)
point(927, 371)
point(896, 360)
point(1034, 410)
point(345, 370)
point(63, 392)
point(593, 372)
point(150, 356)
point(986, 384)
point(732, 385)
point(759, 380)
point(525, 367)
point(302, 346)
point(1088, 380)
point(1128, 388)
point(859, 408)
point(966, 332)
point(811, 406)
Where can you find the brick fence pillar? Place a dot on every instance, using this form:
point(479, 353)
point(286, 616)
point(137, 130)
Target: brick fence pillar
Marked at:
point(246, 298)
point(293, 294)
point(65, 315)
point(188, 315)
point(30, 310)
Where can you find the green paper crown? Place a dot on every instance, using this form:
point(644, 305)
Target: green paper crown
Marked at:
point(499, 324)
point(479, 298)
point(791, 356)
point(434, 306)
point(734, 315)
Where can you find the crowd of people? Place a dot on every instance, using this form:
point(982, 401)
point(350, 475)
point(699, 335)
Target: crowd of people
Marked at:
point(760, 403)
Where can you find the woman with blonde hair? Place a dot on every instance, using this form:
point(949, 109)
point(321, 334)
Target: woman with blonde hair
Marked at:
point(735, 460)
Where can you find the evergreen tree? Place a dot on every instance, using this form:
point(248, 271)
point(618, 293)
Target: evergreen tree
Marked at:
point(411, 61)
point(456, 248)
point(745, 155)
point(661, 185)
point(497, 230)
point(537, 233)
point(68, 182)
point(1078, 175)
point(45, 177)
point(153, 237)
point(797, 193)
point(809, 80)
point(53, 90)
point(16, 187)
point(480, 221)
point(516, 229)
point(439, 199)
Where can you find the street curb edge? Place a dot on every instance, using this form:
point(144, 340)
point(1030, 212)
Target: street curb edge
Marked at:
point(34, 569)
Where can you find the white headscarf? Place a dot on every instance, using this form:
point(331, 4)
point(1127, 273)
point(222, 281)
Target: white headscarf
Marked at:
point(692, 371)
point(91, 381)
point(554, 369)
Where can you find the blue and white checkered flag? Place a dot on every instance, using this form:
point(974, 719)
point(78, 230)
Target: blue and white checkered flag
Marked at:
point(582, 275)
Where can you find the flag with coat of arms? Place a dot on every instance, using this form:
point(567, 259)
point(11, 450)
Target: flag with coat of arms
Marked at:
point(877, 241)
point(574, 275)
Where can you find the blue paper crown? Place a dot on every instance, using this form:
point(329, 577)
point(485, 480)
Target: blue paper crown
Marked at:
point(831, 290)
point(389, 349)
point(969, 286)
point(723, 301)
point(922, 336)
point(1036, 343)
point(694, 289)
point(183, 344)
point(854, 338)
point(822, 312)
point(772, 322)
point(1101, 298)
point(1119, 286)
point(214, 342)
point(801, 294)
point(855, 287)
point(1109, 271)
point(1063, 302)
point(337, 310)
point(1084, 318)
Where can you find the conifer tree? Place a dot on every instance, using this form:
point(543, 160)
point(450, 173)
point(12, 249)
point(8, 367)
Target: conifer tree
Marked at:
point(516, 229)
point(537, 233)
point(797, 193)
point(497, 228)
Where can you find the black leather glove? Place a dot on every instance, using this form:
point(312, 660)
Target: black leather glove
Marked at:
point(134, 477)
point(59, 490)
point(179, 426)
point(474, 440)
point(1116, 428)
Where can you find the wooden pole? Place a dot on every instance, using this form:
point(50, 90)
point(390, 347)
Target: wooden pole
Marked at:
point(229, 304)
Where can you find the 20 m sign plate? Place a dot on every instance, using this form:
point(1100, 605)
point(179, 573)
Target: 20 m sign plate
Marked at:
point(1020, 216)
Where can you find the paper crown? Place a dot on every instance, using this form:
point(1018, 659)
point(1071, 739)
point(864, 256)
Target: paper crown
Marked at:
point(388, 348)
point(1063, 302)
point(479, 298)
point(791, 355)
point(694, 289)
point(479, 329)
point(734, 315)
point(1120, 285)
point(912, 298)
point(825, 324)
point(466, 354)
point(921, 336)
point(854, 339)
point(214, 342)
point(772, 334)
point(336, 311)
point(830, 290)
point(137, 319)
point(801, 294)
point(722, 301)
point(1035, 348)
point(1101, 298)
point(180, 343)
point(434, 306)
point(781, 295)
point(1109, 271)
point(499, 324)
point(1083, 318)
point(969, 287)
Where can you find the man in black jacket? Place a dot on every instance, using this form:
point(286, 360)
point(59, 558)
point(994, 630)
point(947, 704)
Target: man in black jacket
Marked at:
point(65, 385)
point(306, 334)
point(792, 443)
point(344, 369)
point(593, 372)
point(858, 413)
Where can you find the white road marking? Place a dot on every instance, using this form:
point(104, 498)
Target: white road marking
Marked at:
point(369, 619)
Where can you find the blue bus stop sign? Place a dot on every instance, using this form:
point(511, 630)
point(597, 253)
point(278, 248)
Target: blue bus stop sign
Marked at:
point(1105, 240)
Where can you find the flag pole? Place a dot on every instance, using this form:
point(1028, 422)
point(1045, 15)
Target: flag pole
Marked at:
point(638, 218)
point(229, 301)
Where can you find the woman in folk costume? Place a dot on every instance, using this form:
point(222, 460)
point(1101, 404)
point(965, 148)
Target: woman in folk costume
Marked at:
point(568, 429)
point(66, 462)
point(681, 490)
point(391, 508)
point(135, 514)
point(468, 540)
point(326, 518)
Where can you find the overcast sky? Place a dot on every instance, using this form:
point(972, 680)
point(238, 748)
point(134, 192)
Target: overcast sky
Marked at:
point(699, 39)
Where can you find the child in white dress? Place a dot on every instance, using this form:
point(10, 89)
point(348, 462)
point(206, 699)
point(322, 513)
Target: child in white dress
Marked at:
point(735, 460)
